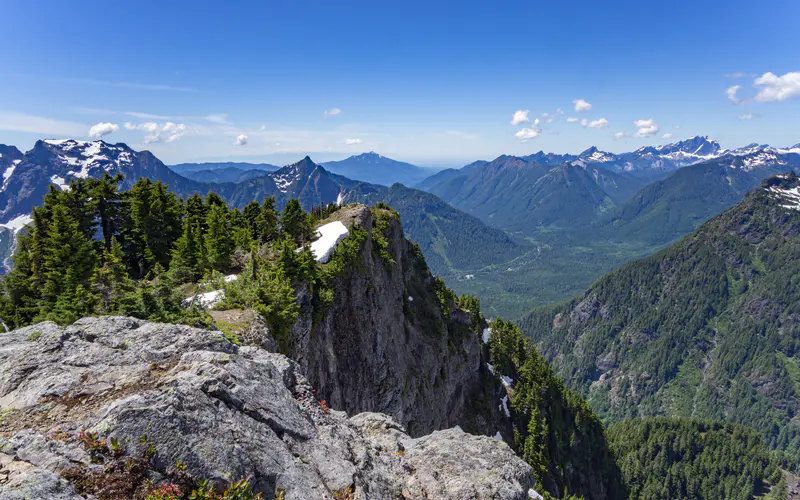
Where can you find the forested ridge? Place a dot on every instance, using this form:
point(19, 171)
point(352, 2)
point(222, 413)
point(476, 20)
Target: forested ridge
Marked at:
point(706, 329)
point(97, 250)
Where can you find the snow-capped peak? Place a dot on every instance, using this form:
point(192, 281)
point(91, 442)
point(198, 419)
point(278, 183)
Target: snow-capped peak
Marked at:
point(594, 155)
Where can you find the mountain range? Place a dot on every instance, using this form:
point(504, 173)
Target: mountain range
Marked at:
point(571, 217)
point(707, 328)
point(378, 169)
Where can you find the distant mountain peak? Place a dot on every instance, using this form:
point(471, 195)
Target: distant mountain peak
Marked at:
point(595, 155)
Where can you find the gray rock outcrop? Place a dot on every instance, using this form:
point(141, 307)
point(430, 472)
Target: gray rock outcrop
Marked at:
point(386, 345)
point(75, 401)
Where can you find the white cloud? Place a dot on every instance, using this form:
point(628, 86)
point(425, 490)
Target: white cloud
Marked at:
point(747, 116)
point(551, 117)
point(667, 136)
point(353, 142)
point(221, 119)
point(619, 135)
point(102, 129)
point(20, 122)
point(160, 132)
point(241, 140)
point(581, 105)
point(584, 123)
point(572, 119)
point(601, 123)
point(777, 88)
point(263, 128)
point(731, 93)
point(734, 75)
point(527, 134)
point(646, 128)
point(677, 127)
point(331, 112)
point(520, 116)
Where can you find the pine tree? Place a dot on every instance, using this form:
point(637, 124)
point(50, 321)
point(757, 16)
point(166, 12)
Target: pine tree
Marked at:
point(219, 238)
point(106, 201)
point(251, 215)
point(267, 221)
point(67, 252)
point(296, 223)
point(20, 294)
point(112, 283)
point(187, 255)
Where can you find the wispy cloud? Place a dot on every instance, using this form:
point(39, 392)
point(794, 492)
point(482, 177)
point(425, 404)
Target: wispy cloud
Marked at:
point(667, 136)
point(601, 123)
point(572, 119)
point(747, 116)
point(352, 142)
point(241, 140)
point(731, 93)
point(619, 135)
point(159, 132)
point(21, 122)
point(108, 83)
point(331, 112)
point(461, 134)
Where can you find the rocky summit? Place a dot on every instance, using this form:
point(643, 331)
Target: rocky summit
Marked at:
point(103, 407)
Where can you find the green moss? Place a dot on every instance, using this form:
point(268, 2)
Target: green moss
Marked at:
point(34, 336)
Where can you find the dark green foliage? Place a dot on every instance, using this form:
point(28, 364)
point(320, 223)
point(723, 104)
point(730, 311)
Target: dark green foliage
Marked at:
point(296, 223)
point(683, 459)
point(707, 328)
point(219, 242)
point(380, 224)
point(557, 432)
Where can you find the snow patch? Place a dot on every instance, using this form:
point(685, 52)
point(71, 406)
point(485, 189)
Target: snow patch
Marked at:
point(789, 196)
point(497, 436)
point(230, 277)
point(487, 332)
point(534, 495)
point(504, 406)
point(329, 236)
point(410, 298)
point(339, 199)
point(204, 300)
point(60, 182)
point(507, 381)
point(17, 223)
point(7, 174)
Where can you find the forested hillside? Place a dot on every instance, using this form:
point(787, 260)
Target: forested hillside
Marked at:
point(690, 460)
point(147, 253)
point(708, 328)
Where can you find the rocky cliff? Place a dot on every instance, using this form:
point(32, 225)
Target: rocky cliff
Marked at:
point(113, 407)
point(389, 343)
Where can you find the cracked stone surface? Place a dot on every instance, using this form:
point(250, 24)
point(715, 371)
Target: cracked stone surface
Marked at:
point(226, 412)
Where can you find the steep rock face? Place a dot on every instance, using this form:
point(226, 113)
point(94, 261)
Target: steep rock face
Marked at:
point(385, 345)
point(224, 412)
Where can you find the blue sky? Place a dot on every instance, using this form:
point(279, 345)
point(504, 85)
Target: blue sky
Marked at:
point(427, 82)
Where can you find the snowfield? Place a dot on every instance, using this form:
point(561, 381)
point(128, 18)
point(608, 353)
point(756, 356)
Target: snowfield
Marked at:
point(329, 236)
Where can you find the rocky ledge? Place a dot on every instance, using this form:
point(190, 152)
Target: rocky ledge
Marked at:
point(114, 407)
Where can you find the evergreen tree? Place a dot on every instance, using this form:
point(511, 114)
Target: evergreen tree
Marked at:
point(296, 223)
point(219, 241)
point(112, 282)
point(267, 221)
point(187, 255)
point(251, 215)
point(67, 252)
point(107, 202)
point(20, 296)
